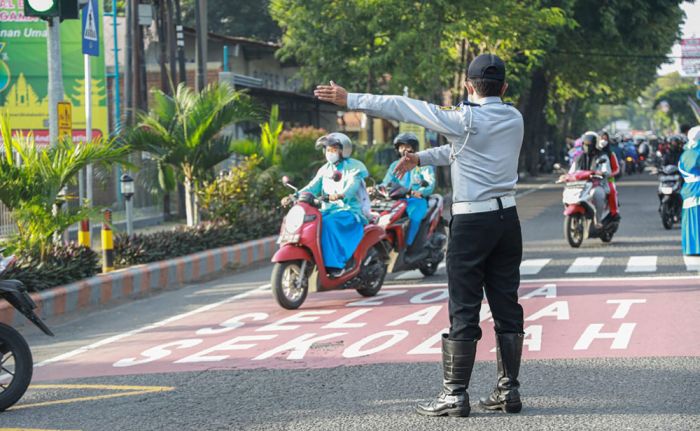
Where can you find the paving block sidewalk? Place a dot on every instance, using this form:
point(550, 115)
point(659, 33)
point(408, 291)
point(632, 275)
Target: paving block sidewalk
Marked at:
point(140, 280)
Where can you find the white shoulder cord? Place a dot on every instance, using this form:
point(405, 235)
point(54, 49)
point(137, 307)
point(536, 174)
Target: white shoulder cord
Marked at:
point(453, 154)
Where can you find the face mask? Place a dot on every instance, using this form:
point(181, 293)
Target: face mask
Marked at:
point(332, 158)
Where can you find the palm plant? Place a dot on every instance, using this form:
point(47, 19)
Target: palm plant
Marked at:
point(32, 177)
point(268, 146)
point(186, 132)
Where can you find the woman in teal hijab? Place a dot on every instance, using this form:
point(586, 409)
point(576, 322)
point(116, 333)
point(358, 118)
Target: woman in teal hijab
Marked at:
point(341, 180)
point(689, 165)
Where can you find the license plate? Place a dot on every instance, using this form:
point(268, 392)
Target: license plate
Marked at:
point(572, 195)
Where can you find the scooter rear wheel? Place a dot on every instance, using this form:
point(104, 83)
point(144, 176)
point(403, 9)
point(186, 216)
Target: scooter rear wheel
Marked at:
point(15, 362)
point(289, 285)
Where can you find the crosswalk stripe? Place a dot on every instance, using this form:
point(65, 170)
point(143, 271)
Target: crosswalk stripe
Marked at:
point(692, 263)
point(533, 266)
point(409, 275)
point(585, 265)
point(641, 264)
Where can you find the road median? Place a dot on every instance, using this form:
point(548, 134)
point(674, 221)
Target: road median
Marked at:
point(138, 281)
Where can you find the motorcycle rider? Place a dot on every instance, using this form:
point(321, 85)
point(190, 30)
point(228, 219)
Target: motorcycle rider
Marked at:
point(420, 182)
point(675, 149)
point(341, 180)
point(605, 146)
point(594, 159)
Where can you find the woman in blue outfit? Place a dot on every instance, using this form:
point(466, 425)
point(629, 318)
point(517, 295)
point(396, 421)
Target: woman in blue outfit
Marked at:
point(420, 182)
point(689, 165)
point(341, 180)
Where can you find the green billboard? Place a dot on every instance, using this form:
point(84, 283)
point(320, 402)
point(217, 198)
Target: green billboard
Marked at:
point(24, 73)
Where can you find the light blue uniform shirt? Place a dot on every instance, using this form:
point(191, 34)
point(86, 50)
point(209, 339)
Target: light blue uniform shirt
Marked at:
point(413, 180)
point(486, 166)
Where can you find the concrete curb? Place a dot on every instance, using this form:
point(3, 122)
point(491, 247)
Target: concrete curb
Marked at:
point(137, 281)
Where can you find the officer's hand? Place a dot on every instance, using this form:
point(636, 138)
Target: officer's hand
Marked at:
point(406, 164)
point(370, 191)
point(335, 197)
point(417, 194)
point(333, 93)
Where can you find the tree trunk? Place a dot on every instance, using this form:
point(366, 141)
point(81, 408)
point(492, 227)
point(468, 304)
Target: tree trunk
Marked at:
point(172, 43)
point(195, 203)
point(188, 202)
point(535, 120)
point(166, 206)
point(162, 45)
point(370, 120)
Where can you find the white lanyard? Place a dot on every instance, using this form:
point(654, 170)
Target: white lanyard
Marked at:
point(453, 154)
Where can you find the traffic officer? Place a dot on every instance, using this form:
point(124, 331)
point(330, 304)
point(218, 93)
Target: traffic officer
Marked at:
point(485, 249)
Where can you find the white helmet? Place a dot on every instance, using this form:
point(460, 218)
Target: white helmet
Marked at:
point(336, 140)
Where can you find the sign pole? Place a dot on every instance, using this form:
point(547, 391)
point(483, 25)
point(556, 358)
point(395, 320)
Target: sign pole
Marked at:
point(88, 123)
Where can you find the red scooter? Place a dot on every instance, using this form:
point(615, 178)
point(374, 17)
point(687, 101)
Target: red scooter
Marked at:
point(299, 261)
point(580, 211)
point(428, 248)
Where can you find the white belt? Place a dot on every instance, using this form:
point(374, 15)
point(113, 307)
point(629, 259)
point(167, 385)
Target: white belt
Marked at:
point(691, 202)
point(482, 206)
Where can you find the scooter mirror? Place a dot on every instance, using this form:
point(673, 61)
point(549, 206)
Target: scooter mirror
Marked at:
point(285, 180)
point(557, 166)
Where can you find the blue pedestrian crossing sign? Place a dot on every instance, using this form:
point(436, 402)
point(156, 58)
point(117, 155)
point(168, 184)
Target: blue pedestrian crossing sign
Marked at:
point(91, 29)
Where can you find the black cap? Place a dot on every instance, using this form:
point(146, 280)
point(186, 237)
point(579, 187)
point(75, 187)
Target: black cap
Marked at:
point(487, 66)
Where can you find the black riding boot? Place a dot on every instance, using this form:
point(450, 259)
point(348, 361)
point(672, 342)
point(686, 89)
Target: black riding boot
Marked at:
point(457, 364)
point(509, 349)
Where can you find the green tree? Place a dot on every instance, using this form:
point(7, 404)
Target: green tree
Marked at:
point(32, 178)
point(382, 46)
point(610, 55)
point(187, 132)
point(237, 18)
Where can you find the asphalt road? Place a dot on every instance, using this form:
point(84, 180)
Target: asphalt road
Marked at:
point(636, 372)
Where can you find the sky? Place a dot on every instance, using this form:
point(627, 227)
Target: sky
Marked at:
point(690, 28)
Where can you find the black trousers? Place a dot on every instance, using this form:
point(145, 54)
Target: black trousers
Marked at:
point(484, 255)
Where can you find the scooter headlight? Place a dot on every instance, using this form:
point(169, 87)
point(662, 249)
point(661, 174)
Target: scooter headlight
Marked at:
point(294, 219)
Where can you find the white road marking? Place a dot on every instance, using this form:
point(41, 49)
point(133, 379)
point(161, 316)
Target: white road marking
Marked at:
point(585, 265)
point(641, 264)
point(533, 266)
point(409, 275)
point(114, 338)
point(692, 263)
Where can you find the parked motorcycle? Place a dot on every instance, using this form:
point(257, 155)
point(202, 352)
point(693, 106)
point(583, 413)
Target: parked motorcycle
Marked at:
point(580, 210)
point(299, 261)
point(16, 364)
point(428, 248)
point(669, 191)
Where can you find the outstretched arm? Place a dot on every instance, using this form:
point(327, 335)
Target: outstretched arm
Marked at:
point(432, 117)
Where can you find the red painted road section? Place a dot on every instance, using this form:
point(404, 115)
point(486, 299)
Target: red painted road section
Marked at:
point(564, 319)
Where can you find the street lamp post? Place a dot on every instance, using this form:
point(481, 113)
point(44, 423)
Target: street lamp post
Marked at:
point(127, 189)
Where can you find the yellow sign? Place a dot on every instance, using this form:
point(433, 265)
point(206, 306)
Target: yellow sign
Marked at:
point(65, 120)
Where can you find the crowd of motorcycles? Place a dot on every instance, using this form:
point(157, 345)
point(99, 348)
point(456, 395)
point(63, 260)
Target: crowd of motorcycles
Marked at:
point(581, 220)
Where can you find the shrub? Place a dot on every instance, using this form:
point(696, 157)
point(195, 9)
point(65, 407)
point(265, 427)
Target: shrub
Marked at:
point(182, 240)
point(247, 197)
point(62, 264)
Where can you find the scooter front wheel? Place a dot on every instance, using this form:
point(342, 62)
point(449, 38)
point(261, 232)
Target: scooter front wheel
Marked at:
point(15, 366)
point(289, 285)
point(573, 229)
